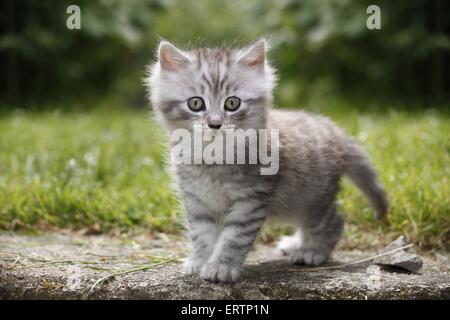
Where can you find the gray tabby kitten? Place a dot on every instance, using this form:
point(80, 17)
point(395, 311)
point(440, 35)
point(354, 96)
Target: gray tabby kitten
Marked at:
point(226, 205)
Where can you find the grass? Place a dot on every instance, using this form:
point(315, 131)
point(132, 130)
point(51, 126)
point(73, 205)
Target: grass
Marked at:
point(104, 170)
point(100, 170)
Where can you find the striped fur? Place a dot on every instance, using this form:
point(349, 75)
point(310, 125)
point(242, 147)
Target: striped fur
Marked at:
point(226, 205)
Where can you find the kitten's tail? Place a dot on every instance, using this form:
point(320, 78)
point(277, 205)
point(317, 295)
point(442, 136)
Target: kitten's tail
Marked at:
point(360, 171)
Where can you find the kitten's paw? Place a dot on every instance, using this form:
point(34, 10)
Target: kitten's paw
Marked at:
point(219, 272)
point(308, 256)
point(192, 266)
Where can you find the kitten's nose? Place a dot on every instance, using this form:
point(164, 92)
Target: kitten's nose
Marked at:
point(214, 121)
point(214, 125)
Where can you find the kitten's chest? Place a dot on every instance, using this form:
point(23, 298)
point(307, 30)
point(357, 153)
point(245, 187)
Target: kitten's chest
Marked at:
point(211, 188)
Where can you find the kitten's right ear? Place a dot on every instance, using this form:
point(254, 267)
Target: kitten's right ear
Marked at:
point(254, 56)
point(171, 58)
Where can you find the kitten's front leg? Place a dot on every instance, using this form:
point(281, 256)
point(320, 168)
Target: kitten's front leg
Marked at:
point(240, 228)
point(202, 231)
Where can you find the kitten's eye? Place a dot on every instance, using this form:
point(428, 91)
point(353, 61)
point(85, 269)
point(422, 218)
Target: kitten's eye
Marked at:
point(196, 104)
point(232, 103)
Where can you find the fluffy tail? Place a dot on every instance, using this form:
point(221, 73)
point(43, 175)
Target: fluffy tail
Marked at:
point(361, 172)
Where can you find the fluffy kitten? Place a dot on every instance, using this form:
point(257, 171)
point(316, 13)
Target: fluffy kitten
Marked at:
point(226, 205)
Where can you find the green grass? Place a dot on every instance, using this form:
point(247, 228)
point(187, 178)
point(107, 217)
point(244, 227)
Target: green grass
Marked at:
point(106, 169)
point(90, 169)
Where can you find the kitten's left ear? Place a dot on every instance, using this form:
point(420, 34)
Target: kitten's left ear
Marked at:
point(171, 58)
point(255, 55)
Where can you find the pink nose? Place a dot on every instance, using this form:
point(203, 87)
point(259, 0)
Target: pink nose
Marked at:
point(214, 126)
point(214, 121)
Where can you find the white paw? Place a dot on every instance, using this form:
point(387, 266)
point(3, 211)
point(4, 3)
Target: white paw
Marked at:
point(308, 256)
point(192, 266)
point(218, 272)
point(288, 244)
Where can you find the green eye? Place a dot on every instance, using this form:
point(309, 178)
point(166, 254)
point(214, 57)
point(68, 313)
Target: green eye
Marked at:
point(232, 103)
point(196, 104)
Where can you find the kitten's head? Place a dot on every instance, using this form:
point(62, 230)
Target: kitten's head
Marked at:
point(217, 87)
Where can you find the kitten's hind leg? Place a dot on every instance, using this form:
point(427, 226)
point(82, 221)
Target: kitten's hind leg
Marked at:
point(318, 237)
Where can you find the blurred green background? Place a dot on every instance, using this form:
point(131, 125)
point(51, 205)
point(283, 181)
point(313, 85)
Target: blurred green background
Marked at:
point(321, 48)
point(78, 149)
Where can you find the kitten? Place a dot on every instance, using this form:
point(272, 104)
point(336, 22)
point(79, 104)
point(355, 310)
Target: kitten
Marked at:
point(226, 205)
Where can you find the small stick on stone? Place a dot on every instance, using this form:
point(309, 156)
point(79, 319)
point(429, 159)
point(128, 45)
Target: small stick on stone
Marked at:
point(342, 266)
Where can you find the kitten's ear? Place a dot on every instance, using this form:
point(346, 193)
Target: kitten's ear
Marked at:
point(171, 58)
point(255, 55)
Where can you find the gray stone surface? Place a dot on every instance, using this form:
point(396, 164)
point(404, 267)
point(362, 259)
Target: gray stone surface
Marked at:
point(56, 266)
point(405, 259)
